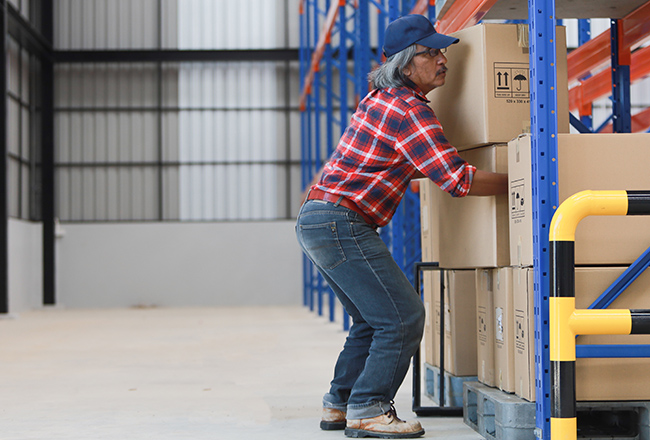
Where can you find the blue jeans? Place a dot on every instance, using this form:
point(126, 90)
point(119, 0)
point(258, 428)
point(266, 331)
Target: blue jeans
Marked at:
point(387, 314)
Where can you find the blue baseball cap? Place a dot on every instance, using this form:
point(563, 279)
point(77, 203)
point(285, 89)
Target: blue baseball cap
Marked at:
point(411, 29)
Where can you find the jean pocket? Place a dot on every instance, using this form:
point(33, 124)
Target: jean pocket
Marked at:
point(322, 243)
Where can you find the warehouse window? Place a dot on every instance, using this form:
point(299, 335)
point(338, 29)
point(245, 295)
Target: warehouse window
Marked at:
point(23, 132)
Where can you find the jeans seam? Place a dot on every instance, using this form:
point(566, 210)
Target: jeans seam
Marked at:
point(402, 332)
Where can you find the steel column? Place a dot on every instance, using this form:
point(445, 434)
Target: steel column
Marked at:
point(543, 110)
point(48, 180)
point(4, 207)
point(622, 115)
point(586, 110)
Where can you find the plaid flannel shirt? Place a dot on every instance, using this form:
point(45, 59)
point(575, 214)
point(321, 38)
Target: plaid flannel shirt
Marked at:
point(392, 134)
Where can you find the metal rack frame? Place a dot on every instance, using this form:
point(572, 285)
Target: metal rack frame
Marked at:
point(335, 39)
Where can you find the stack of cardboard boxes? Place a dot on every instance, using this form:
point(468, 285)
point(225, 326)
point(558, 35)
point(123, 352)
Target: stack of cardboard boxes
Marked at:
point(604, 247)
point(486, 242)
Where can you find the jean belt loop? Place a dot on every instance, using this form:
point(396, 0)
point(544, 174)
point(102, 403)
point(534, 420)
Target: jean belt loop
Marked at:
point(338, 202)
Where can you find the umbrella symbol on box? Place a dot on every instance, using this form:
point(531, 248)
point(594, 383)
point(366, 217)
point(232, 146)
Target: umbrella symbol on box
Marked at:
point(519, 77)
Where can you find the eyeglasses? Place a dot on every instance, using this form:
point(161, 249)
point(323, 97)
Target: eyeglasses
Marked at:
point(432, 52)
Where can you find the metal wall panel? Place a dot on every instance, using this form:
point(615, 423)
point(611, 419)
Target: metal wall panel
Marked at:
point(224, 24)
point(110, 24)
point(229, 125)
point(216, 133)
point(108, 136)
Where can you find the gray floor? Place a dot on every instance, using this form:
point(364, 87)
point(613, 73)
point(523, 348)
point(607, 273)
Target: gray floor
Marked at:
point(196, 373)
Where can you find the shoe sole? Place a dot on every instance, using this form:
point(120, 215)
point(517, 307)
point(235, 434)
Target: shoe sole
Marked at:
point(332, 426)
point(360, 433)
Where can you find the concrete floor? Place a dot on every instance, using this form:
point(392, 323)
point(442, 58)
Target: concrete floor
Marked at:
point(195, 373)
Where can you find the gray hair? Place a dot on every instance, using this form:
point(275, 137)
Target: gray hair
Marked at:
point(391, 73)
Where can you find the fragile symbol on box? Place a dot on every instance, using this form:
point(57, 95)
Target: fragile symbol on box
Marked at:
point(511, 80)
point(517, 201)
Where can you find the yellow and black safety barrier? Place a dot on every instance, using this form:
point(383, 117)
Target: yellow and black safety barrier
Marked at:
point(565, 322)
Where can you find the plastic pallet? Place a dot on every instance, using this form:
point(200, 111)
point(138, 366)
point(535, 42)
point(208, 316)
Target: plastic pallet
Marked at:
point(642, 424)
point(497, 415)
point(453, 386)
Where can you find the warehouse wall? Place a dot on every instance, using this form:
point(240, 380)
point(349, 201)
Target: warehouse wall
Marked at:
point(25, 265)
point(176, 182)
point(178, 264)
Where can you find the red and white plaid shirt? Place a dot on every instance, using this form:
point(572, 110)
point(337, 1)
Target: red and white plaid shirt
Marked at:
point(392, 134)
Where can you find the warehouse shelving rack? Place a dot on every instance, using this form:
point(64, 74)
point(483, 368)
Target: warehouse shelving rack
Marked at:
point(614, 47)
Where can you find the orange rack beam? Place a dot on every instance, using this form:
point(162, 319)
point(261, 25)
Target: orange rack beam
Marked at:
point(421, 6)
point(640, 123)
point(463, 14)
point(316, 57)
point(597, 52)
point(600, 85)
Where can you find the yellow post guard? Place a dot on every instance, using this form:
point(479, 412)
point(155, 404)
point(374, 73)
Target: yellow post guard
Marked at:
point(562, 338)
point(564, 428)
point(582, 204)
point(601, 322)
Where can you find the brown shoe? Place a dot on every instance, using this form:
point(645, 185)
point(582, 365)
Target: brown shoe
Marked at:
point(383, 426)
point(333, 419)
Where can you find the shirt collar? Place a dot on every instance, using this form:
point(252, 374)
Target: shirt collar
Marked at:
point(416, 90)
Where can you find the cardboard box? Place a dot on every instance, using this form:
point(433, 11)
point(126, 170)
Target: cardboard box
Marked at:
point(486, 96)
point(430, 195)
point(523, 305)
point(612, 379)
point(474, 230)
point(597, 379)
point(504, 330)
point(585, 162)
point(431, 296)
point(485, 325)
point(459, 325)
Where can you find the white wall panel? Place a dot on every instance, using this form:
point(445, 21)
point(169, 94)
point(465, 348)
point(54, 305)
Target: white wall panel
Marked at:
point(104, 24)
point(13, 127)
point(640, 94)
point(291, 23)
point(228, 116)
point(13, 68)
point(25, 240)
point(90, 195)
point(25, 193)
point(228, 131)
point(224, 24)
point(13, 170)
point(172, 264)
